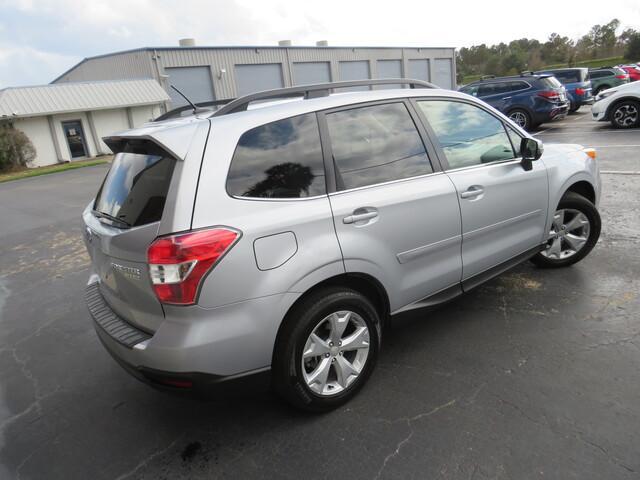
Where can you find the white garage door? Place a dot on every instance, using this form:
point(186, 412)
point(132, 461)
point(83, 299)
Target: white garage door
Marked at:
point(419, 69)
point(389, 69)
point(305, 73)
point(255, 78)
point(194, 82)
point(442, 73)
point(356, 70)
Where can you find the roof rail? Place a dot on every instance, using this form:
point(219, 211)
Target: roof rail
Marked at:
point(177, 111)
point(313, 91)
point(487, 77)
point(600, 68)
point(527, 72)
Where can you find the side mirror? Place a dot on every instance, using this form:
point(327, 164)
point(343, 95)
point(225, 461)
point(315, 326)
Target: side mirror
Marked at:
point(531, 150)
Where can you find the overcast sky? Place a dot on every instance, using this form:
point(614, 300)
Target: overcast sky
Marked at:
point(40, 39)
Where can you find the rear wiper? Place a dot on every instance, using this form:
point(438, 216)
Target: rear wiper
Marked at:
point(112, 218)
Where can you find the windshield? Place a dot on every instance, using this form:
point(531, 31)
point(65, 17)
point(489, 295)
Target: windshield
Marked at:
point(135, 189)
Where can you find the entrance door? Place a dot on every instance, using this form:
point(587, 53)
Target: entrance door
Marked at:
point(75, 138)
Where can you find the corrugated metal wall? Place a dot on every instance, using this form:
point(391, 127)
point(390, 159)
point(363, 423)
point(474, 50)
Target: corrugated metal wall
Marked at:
point(222, 62)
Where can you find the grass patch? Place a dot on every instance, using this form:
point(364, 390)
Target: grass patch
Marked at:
point(61, 167)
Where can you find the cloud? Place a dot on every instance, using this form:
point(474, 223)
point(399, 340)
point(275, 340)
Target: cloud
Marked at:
point(23, 65)
point(56, 31)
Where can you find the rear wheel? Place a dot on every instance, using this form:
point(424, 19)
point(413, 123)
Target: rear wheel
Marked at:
point(573, 107)
point(625, 114)
point(574, 232)
point(327, 349)
point(521, 118)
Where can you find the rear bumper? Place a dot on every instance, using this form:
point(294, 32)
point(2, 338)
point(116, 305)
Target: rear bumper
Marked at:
point(195, 349)
point(551, 113)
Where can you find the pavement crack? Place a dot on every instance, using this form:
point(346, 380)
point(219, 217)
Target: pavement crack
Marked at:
point(407, 439)
point(149, 459)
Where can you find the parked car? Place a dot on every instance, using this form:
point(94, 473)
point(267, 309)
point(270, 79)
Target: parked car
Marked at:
point(633, 71)
point(275, 239)
point(527, 99)
point(619, 105)
point(577, 83)
point(607, 77)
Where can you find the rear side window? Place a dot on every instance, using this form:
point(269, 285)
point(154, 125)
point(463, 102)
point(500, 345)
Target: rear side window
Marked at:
point(375, 144)
point(516, 86)
point(281, 159)
point(550, 82)
point(135, 189)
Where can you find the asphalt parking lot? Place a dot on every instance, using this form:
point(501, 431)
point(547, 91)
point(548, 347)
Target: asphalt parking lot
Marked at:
point(534, 375)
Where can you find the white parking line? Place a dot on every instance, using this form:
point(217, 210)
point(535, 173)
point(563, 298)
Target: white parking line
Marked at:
point(613, 146)
point(620, 172)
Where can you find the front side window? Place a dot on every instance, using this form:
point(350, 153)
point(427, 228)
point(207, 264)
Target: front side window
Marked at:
point(468, 135)
point(375, 144)
point(281, 159)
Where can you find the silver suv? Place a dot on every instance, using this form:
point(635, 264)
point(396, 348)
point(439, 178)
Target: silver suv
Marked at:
point(273, 239)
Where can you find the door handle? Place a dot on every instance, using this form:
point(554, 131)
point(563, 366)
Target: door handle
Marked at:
point(359, 217)
point(472, 192)
point(506, 98)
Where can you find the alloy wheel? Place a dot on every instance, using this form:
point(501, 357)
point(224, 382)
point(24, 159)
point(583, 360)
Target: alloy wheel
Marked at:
point(335, 352)
point(569, 234)
point(626, 115)
point(520, 118)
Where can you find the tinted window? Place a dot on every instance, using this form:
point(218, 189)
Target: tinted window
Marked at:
point(600, 74)
point(376, 144)
point(470, 90)
point(467, 134)
point(515, 86)
point(282, 159)
point(568, 76)
point(487, 89)
point(135, 189)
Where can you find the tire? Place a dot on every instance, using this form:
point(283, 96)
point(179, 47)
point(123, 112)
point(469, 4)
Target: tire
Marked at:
point(561, 250)
point(625, 114)
point(574, 108)
point(521, 118)
point(599, 89)
point(293, 377)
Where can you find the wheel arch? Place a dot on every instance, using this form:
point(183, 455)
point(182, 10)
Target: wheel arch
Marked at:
point(615, 103)
point(584, 188)
point(363, 283)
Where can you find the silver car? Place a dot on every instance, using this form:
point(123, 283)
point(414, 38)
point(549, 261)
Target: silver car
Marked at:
point(272, 240)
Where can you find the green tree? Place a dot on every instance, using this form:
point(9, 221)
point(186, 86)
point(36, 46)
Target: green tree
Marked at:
point(16, 150)
point(632, 50)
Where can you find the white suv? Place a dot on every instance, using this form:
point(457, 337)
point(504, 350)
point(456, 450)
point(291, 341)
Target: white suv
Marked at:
point(619, 105)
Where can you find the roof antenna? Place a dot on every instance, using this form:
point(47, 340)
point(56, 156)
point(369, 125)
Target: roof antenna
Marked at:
point(195, 109)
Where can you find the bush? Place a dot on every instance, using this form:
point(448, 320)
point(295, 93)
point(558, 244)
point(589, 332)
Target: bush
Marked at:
point(16, 150)
point(632, 52)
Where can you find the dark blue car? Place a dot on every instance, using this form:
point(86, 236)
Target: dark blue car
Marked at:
point(577, 83)
point(528, 99)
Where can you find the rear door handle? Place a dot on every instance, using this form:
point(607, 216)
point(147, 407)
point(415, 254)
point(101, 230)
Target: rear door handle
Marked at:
point(506, 98)
point(472, 192)
point(359, 217)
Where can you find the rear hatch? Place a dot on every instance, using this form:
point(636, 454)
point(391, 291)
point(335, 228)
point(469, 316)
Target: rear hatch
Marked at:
point(121, 223)
point(553, 91)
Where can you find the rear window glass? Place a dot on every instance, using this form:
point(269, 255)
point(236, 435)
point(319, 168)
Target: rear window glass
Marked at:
point(569, 76)
point(135, 189)
point(550, 82)
point(281, 159)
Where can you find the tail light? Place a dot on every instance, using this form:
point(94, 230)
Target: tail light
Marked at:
point(580, 91)
point(549, 95)
point(622, 77)
point(179, 263)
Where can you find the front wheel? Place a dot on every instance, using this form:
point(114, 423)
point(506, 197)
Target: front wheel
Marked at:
point(327, 349)
point(625, 114)
point(574, 232)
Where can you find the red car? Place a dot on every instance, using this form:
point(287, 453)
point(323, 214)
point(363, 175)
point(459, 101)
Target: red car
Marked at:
point(633, 71)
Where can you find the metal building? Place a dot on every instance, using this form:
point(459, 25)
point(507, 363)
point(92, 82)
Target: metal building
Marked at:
point(66, 122)
point(215, 73)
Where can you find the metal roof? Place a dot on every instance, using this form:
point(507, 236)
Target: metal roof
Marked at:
point(39, 100)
